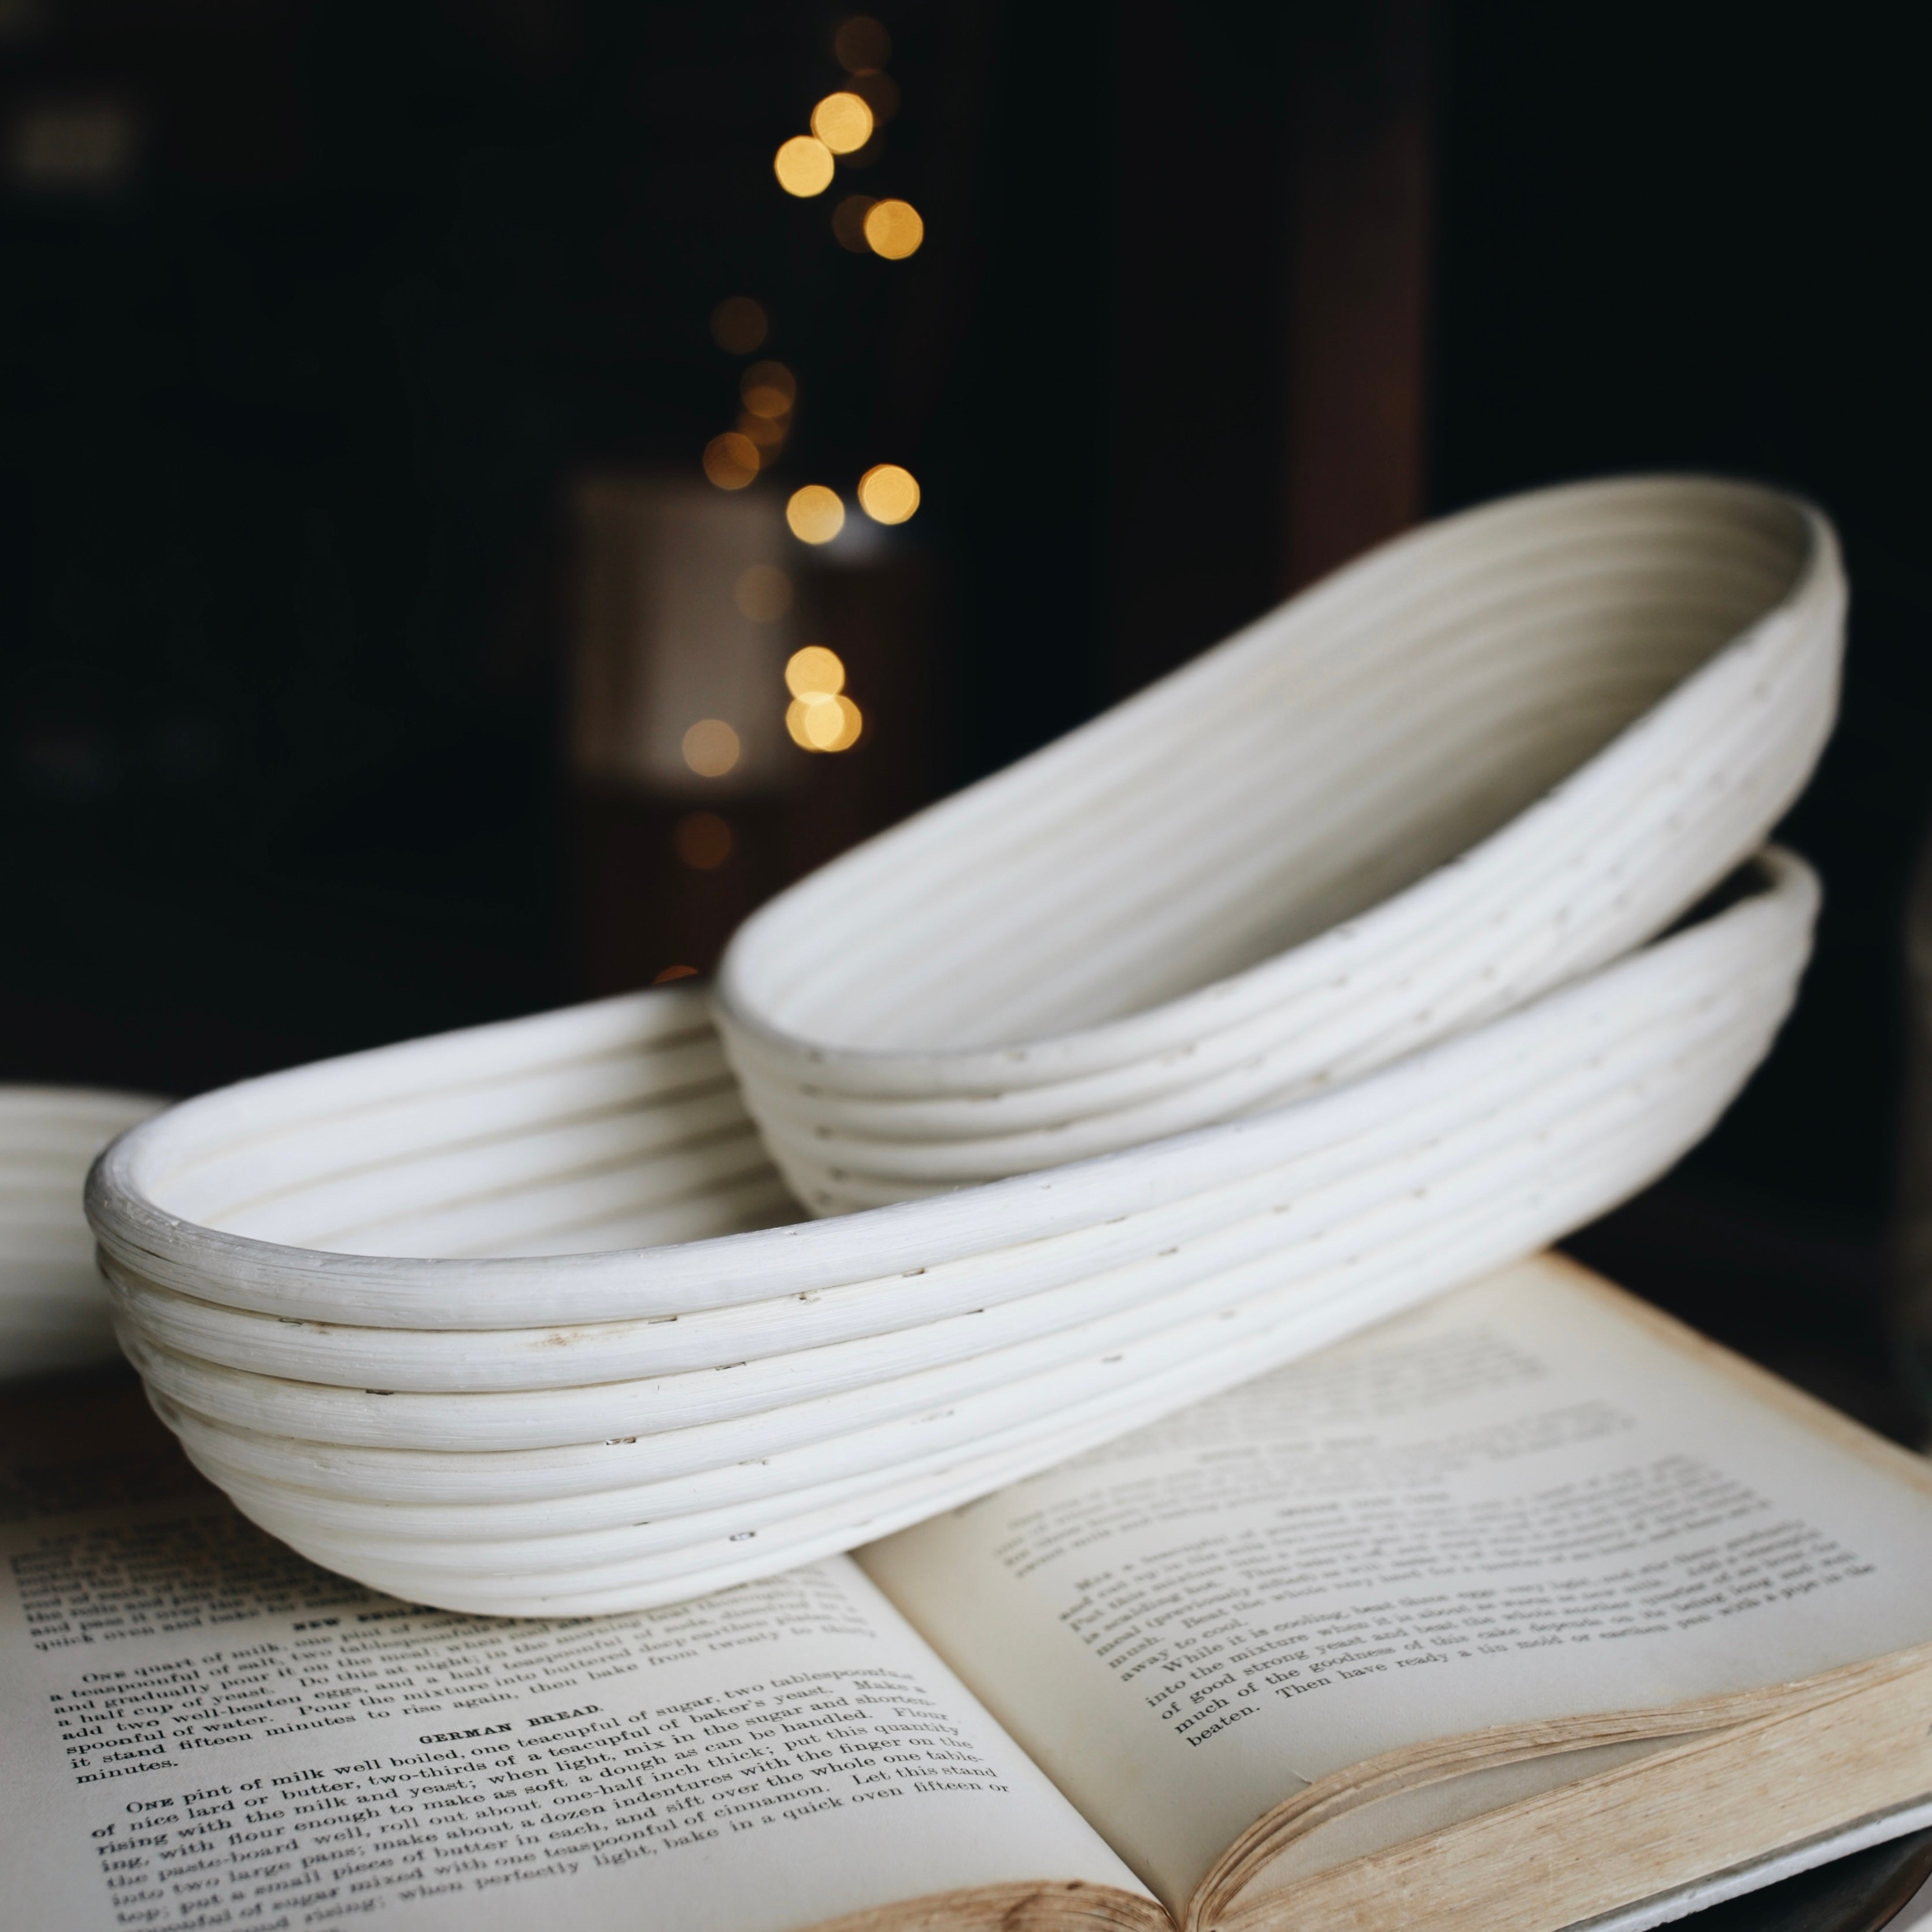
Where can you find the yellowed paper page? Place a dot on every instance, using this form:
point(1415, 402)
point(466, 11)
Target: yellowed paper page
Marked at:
point(1518, 1503)
point(202, 1730)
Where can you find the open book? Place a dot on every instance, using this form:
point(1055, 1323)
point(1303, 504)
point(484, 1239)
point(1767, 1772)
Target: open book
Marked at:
point(1508, 1614)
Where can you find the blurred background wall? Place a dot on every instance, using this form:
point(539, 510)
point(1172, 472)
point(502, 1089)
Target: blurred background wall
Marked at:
point(402, 403)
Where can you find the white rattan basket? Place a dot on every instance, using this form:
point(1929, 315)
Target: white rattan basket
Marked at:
point(1487, 758)
point(520, 1319)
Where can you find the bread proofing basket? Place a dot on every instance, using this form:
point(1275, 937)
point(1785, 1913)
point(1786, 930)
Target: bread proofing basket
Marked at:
point(1338, 983)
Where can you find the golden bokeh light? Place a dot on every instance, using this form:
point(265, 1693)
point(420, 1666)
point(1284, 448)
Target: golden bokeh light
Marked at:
point(894, 229)
point(804, 166)
point(703, 841)
point(815, 672)
point(711, 748)
point(762, 593)
point(824, 721)
point(739, 325)
point(851, 723)
point(815, 513)
point(768, 389)
point(843, 121)
point(671, 973)
point(731, 460)
point(848, 223)
point(768, 435)
point(887, 494)
point(862, 44)
point(880, 92)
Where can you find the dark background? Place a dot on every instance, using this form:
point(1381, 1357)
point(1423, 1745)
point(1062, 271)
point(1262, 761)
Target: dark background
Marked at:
point(296, 392)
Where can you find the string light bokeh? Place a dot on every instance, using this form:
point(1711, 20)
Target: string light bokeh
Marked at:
point(846, 124)
point(862, 45)
point(731, 461)
point(843, 122)
point(816, 514)
point(703, 840)
point(739, 325)
point(894, 228)
point(804, 166)
point(888, 493)
point(711, 748)
point(821, 717)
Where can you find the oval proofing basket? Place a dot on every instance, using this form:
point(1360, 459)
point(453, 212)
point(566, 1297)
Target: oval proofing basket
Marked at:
point(519, 1320)
point(1488, 757)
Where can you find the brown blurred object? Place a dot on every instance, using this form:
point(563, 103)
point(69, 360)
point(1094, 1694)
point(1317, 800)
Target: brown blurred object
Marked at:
point(1272, 351)
point(676, 633)
point(1359, 248)
point(690, 805)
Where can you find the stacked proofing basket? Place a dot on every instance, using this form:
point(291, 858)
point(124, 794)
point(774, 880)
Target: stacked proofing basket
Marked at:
point(1320, 977)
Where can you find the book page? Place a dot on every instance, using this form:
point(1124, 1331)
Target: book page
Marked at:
point(202, 1729)
point(1522, 1502)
